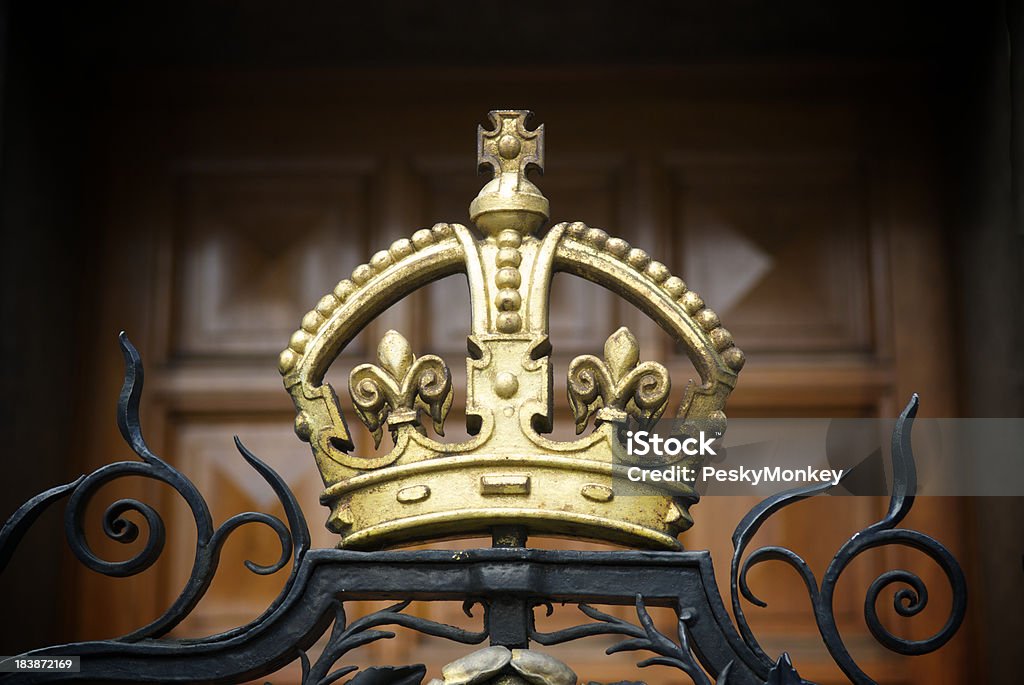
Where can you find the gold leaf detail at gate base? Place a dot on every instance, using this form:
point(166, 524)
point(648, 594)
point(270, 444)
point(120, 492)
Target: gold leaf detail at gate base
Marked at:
point(486, 666)
point(620, 384)
point(396, 391)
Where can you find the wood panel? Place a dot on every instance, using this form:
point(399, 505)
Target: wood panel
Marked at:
point(255, 244)
point(779, 246)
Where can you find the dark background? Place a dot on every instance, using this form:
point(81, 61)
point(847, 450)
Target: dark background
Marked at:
point(58, 59)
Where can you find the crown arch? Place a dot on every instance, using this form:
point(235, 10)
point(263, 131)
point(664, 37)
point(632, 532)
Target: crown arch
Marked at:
point(647, 284)
point(390, 275)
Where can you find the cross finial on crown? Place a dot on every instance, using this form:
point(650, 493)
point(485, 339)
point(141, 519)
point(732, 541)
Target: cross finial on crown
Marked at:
point(510, 147)
point(509, 200)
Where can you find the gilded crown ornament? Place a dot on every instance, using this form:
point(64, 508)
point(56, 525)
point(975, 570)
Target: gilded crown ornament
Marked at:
point(508, 473)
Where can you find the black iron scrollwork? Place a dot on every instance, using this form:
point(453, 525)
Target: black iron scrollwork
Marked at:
point(908, 601)
point(643, 637)
point(346, 637)
point(294, 537)
point(646, 636)
point(320, 581)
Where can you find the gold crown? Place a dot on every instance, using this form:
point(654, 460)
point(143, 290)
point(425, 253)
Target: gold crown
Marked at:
point(508, 473)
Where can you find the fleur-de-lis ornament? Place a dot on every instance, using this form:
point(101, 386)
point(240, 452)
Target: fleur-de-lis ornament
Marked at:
point(396, 391)
point(618, 387)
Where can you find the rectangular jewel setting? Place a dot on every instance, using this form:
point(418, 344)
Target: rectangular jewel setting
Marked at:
point(508, 484)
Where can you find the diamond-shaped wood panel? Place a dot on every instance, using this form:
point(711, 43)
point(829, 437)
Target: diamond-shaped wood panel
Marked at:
point(779, 248)
point(256, 249)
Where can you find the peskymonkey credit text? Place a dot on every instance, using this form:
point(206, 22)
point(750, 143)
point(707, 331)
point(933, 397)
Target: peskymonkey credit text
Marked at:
point(644, 443)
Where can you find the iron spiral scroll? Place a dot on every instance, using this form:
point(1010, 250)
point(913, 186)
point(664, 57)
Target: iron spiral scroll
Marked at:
point(908, 601)
point(293, 537)
point(508, 583)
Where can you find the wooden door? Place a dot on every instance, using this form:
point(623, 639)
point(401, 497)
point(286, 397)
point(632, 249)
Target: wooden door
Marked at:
point(798, 202)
